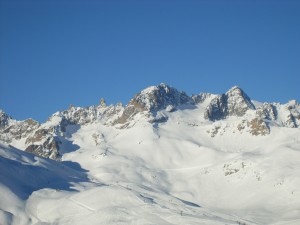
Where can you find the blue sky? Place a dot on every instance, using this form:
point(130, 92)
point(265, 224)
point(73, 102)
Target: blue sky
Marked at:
point(57, 53)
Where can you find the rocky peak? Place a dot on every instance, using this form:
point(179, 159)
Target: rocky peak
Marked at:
point(4, 119)
point(235, 90)
point(15, 130)
point(153, 99)
point(238, 102)
point(153, 103)
point(235, 102)
point(102, 102)
point(159, 97)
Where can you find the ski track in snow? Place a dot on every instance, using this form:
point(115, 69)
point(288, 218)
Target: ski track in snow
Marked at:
point(82, 205)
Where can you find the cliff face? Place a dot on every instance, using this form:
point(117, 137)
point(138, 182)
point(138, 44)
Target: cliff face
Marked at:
point(234, 103)
point(153, 99)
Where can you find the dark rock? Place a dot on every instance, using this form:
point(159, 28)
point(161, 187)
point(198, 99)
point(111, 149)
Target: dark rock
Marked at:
point(234, 103)
point(49, 149)
point(4, 119)
point(39, 135)
point(293, 118)
point(152, 100)
point(217, 109)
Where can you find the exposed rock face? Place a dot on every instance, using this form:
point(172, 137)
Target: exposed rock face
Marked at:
point(153, 99)
point(217, 109)
point(4, 119)
point(267, 111)
point(293, 115)
point(287, 115)
point(44, 142)
point(46, 139)
point(82, 116)
point(17, 129)
point(234, 103)
point(22, 129)
point(292, 121)
point(49, 148)
point(258, 127)
point(238, 102)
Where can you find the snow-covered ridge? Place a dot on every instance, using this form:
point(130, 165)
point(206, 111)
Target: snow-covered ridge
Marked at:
point(154, 104)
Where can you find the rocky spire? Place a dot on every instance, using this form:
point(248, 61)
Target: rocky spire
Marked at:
point(238, 102)
point(4, 119)
point(102, 102)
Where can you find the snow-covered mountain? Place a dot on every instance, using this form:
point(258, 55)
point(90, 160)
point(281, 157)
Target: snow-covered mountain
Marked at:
point(164, 158)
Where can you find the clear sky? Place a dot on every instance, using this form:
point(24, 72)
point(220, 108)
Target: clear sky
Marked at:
point(57, 52)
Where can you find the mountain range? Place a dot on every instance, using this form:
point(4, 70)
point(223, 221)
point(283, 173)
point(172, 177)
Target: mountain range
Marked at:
point(164, 158)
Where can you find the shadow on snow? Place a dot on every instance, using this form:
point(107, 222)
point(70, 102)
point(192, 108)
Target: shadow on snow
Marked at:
point(23, 173)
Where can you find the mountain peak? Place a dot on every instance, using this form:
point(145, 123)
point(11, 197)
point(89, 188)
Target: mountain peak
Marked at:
point(153, 99)
point(238, 101)
point(4, 118)
point(236, 91)
point(235, 87)
point(159, 97)
point(152, 89)
point(234, 102)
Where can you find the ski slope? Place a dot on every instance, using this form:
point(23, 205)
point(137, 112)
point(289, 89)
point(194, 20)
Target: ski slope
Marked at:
point(156, 161)
point(168, 173)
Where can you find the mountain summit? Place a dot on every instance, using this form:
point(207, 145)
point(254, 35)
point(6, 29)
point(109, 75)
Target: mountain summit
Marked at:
point(153, 99)
point(234, 103)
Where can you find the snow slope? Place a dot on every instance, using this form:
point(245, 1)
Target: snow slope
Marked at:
point(42, 191)
point(254, 178)
point(184, 170)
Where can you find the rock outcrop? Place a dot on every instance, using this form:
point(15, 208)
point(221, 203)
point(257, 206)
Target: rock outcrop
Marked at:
point(11, 129)
point(234, 103)
point(48, 149)
point(153, 99)
point(267, 111)
point(258, 127)
point(292, 118)
point(4, 119)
